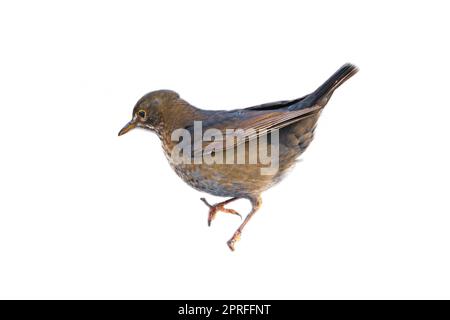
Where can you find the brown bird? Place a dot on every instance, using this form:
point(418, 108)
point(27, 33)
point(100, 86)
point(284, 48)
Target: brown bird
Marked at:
point(217, 152)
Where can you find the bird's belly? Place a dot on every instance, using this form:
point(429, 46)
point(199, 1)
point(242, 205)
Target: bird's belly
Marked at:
point(225, 180)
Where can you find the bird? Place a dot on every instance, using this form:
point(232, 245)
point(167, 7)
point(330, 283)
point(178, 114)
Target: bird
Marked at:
point(205, 138)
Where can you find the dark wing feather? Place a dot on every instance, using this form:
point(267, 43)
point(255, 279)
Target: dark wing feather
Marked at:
point(253, 124)
point(276, 105)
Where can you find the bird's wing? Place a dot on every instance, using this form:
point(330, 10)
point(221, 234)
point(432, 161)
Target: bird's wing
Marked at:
point(258, 120)
point(244, 125)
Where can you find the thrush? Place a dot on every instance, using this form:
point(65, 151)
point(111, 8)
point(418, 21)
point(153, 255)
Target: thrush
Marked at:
point(199, 142)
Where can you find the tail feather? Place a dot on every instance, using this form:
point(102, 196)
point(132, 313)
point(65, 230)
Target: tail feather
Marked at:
point(324, 92)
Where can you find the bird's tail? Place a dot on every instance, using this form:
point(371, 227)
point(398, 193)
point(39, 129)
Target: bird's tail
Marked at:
point(324, 92)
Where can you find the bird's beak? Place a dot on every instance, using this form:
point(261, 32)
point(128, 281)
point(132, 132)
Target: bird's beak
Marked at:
point(129, 126)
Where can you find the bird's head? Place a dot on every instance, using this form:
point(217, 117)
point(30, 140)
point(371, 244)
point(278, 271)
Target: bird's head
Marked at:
point(148, 111)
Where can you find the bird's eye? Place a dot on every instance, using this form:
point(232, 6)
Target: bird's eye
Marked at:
point(142, 113)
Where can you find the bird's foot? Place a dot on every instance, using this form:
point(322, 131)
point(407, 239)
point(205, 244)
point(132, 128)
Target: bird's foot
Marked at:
point(235, 238)
point(213, 209)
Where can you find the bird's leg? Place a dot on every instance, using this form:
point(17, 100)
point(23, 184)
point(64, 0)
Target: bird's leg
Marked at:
point(256, 203)
point(213, 209)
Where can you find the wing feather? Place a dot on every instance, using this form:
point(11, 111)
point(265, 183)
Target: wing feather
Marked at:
point(253, 124)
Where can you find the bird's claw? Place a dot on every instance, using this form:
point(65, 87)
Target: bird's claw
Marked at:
point(231, 211)
point(206, 202)
point(213, 209)
point(232, 242)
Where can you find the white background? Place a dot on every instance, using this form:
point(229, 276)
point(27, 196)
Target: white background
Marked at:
point(85, 214)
